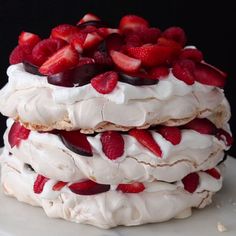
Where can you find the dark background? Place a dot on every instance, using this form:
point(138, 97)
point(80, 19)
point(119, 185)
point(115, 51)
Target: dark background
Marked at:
point(210, 25)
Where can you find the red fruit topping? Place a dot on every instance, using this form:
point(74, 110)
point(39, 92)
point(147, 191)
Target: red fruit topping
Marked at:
point(29, 39)
point(124, 62)
point(77, 41)
point(39, 184)
point(59, 185)
point(132, 22)
point(76, 142)
point(172, 134)
point(46, 48)
point(102, 58)
point(175, 33)
point(104, 32)
point(133, 40)
point(114, 42)
point(92, 40)
point(158, 72)
point(191, 182)
point(149, 35)
point(88, 187)
point(192, 54)
point(64, 59)
point(225, 136)
point(17, 133)
point(105, 83)
point(20, 53)
point(112, 144)
point(145, 138)
point(88, 17)
point(85, 61)
point(64, 32)
point(131, 188)
point(209, 75)
point(202, 126)
point(184, 70)
point(214, 173)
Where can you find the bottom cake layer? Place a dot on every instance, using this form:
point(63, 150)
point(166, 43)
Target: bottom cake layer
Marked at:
point(160, 201)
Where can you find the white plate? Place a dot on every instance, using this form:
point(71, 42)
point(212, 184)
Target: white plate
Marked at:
point(19, 219)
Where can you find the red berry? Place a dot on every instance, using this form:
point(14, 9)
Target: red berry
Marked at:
point(105, 83)
point(114, 42)
point(77, 41)
point(19, 54)
point(175, 33)
point(64, 59)
point(191, 54)
point(159, 73)
point(102, 58)
point(104, 32)
point(225, 136)
point(17, 133)
point(149, 35)
point(145, 138)
point(191, 182)
point(131, 188)
point(59, 185)
point(172, 134)
point(214, 173)
point(64, 32)
point(112, 144)
point(92, 40)
point(88, 17)
point(133, 40)
point(85, 61)
point(29, 39)
point(39, 184)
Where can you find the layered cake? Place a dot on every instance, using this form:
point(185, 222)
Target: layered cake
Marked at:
point(113, 126)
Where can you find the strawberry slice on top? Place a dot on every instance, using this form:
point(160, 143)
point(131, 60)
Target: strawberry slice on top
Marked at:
point(27, 38)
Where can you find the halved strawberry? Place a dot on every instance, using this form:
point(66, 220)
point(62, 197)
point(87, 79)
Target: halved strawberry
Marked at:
point(85, 61)
point(214, 173)
point(64, 59)
point(124, 62)
point(225, 136)
point(114, 42)
point(88, 17)
point(64, 31)
point(209, 75)
point(92, 40)
point(59, 185)
point(192, 54)
point(145, 138)
point(106, 82)
point(27, 38)
point(102, 58)
point(77, 41)
point(39, 184)
point(159, 72)
point(17, 133)
point(149, 35)
point(191, 182)
point(88, 187)
point(20, 53)
point(172, 134)
point(202, 126)
point(104, 32)
point(175, 33)
point(136, 187)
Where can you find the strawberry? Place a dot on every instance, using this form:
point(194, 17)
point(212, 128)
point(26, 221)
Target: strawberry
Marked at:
point(202, 126)
point(225, 136)
point(39, 184)
point(105, 83)
point(131, 188)
point(64, 59)
point(209, 75)
point(64, 32)
point(149, 35)
point(175, 33)
point(20, 53)
point(112, 144)
point(17, 133)
point(172, 134)
point(104, 32)
point(145, 138)
point(46, 48)
point(102, 58)
point(159, 73)
point(88, 187)
point(169, 43)
point(132, 22)
point(114, 42)
point(184, 70)
point(191, 54)
point(214, 173)
point(133, 40)
point(29, 39)
point(88, 17)
point(77, 41)
point(92, 40)
point(191, 182)
point(85, 61)
point(59, 185)
point(124, 62)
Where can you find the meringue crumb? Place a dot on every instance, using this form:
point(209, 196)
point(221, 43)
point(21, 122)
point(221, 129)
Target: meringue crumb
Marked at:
point(221, 228)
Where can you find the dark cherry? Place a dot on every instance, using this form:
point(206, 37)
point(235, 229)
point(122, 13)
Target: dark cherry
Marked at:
point(32, 69)
point(95, 23)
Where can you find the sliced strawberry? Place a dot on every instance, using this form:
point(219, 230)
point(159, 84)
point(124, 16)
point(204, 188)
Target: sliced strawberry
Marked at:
point(114, 42)
point(17, 133)
point(46, 48)
point(88, 187)
point(88, 17)
point(59, 185)
point(77, 41)
point(159, 73)
point(175, 33)
point(131, 188)
point(106, 82)
point(214, 173)
point(85, 61)
point(102, 58)
point(192, 54)
point(124, 62)
point(191, 182)
point(132, 22)
point(209, 75)
point(145, 138)
point(202, 126)
point(64, 59)
point(149, 35)
point(19, 54)
point(184, 70)
point(92, 40)
point(39, 184)
point(172, 134)
point(29, 39)
point(64, 32)
point(112, 144)
point(104, 32)
point(133, 40)
point(76, 142)
point(169, 43)
point(225, 136)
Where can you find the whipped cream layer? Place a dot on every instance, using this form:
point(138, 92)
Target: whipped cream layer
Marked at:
point(47, 154)
point(160, 201)
point(42, 106)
